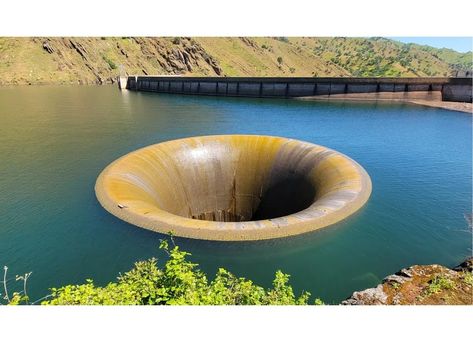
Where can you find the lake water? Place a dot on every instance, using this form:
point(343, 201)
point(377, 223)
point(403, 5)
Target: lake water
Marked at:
point(54, 142)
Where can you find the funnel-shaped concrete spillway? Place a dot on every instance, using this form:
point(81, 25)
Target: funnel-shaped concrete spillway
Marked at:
point(233, 187)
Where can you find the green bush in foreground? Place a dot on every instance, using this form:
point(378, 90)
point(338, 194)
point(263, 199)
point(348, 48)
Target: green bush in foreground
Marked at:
point(180, 282)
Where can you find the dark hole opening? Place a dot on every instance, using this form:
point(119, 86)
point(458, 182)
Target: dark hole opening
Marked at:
point(292, 194)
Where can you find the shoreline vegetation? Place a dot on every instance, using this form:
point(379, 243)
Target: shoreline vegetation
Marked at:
point(181, 282)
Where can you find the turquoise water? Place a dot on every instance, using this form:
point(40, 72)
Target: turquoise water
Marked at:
point(54, 141)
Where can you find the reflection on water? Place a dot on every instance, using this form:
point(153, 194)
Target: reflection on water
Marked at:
point(54, 141)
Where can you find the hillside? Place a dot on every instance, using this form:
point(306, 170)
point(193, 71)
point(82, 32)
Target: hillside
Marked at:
point(97, 60)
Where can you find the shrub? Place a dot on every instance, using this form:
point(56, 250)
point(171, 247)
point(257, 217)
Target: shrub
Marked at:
point(279, 60)
point(439, 283)
point(468, 278)
point(110, 63)
point(179, 282)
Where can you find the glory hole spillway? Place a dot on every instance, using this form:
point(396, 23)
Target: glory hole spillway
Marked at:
point(233, 187)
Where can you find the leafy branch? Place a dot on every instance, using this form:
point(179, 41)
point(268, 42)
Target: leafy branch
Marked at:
point(179, 282)
point(20, 297)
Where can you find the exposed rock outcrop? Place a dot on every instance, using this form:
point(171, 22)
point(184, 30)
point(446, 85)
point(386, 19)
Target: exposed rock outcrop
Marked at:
point(47, 47)
point(421, 285)
point(94, 60)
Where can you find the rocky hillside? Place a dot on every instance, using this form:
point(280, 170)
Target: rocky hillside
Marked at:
point(97, 60)
point(421, 285)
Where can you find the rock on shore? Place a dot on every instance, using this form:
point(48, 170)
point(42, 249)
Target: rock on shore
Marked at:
point(421, 285)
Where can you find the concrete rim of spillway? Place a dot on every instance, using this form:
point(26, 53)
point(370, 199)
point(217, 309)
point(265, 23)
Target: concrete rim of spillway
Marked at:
point(233, 187)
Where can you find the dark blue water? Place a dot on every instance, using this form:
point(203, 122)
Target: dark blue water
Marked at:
point(54, 141)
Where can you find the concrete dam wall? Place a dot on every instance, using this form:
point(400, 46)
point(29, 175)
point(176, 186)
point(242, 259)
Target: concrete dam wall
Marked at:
point(451, 89)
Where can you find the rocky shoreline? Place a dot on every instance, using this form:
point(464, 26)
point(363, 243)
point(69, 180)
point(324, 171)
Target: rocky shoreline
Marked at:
point(421, 285)
point(453, 106)
point(424, 98)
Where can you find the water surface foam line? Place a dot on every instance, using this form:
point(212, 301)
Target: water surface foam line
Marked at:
point(233, 187)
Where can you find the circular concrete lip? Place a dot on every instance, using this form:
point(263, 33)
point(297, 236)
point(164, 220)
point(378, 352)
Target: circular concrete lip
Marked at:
point(166, 186)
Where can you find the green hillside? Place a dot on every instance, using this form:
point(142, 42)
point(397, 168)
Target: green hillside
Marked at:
point(93, 60)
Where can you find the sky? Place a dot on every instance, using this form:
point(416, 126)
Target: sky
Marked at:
point(460, 44)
